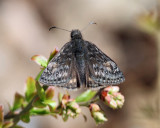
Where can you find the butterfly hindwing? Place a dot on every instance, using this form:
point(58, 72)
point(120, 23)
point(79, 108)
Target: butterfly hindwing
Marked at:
point(102, 69)
point(73, 82)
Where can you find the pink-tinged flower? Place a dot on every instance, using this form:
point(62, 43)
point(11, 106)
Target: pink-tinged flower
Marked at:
point(97, 114)
point(74, 106)
point(112, 89)
point(69, 107)
point(112, 97)
point(66, 97)
point(65, 100)
point(73, 109)
point(113, 104)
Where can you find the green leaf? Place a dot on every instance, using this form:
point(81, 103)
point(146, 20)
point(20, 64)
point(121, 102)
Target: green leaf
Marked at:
point(39, 111)
point(1, 116)
point(40, 60)
point(86, 96)
point(39, 75)
point(52, 54)
point(18, 102)
point(52, 104)
point(50, 93)
point(25, 117)
point(7, 124)
point(30, 90)
point(38, 103)
point(40, 91)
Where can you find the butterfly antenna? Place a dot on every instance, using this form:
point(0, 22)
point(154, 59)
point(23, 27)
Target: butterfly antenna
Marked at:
point(58, 28)
point(92, 22)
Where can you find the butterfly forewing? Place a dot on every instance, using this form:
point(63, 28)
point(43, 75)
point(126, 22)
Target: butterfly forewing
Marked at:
point(102, 69)
point(58, 71)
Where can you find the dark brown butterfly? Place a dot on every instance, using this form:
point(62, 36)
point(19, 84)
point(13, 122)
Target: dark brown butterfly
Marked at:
point(80, 63)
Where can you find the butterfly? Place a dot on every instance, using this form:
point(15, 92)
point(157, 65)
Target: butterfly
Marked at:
point(80, 63)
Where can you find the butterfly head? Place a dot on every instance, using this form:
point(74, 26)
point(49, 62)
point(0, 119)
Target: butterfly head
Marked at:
point(76, 34)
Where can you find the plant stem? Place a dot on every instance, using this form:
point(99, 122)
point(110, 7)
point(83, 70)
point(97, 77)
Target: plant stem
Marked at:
point(16, 118)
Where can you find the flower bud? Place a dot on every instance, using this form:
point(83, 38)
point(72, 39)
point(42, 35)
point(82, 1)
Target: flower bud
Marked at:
point(97, 114)
point(50, 92)
point(74, 106)
point(112, 89)
point(112, 97)
point(94, 107)
point(113, 104)
point(66, 97)
point(65, 100)
point(70, 107)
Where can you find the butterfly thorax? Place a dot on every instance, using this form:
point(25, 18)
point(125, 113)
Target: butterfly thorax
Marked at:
point(77, 42)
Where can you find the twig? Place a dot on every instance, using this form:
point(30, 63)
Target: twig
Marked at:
point(16, 117)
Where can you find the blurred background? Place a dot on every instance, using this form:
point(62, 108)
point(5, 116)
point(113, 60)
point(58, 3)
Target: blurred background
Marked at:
point(126, 30)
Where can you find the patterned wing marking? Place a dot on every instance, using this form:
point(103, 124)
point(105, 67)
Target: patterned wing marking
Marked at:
point(73, 83)
point(102, 69)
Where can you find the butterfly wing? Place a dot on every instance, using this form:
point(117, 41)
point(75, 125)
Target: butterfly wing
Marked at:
point(102, 69)
point(74, 81)
point(59, 70)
